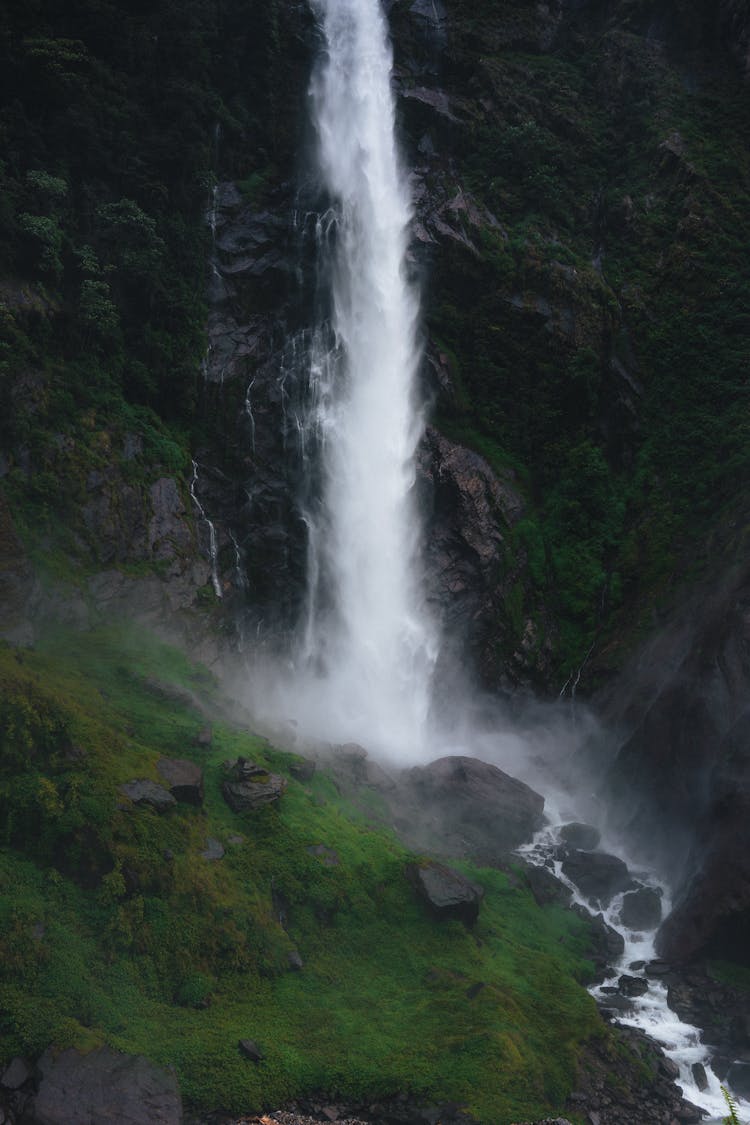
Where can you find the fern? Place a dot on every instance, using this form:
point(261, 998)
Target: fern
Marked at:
point(732, 1119)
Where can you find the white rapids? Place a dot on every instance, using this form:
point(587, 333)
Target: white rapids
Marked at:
point(363, 670)
point(650, 1012)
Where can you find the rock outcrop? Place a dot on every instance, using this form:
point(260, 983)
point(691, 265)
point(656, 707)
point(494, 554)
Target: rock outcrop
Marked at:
point(250, 786)
point(184, 778)
point(462, 806)
point(447, 893)
point(104, 1085)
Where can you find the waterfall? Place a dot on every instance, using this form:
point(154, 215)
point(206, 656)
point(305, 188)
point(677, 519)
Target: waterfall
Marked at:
point(368, 647)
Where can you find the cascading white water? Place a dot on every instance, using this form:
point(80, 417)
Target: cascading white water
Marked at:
point(368, 647)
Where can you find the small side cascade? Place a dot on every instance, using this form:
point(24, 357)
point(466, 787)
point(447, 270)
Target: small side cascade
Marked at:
point(213, 553)
point(633, 991)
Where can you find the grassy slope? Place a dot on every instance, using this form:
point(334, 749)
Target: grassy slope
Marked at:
point(102, 938)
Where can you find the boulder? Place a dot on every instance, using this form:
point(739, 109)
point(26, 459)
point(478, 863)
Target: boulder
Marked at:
point(597, 875)
point(250, 786)
point(447, 893)
point(213, 849)
point(184, 778)
point(641, 909)
point(16, 1073)
point(104, 1085)
point(302, 769)
point(143, 792)
point(475, 808)
point(581, 836)
point(699, 1076)
point(632, 986)
point(250, 1049)
point(546, 887)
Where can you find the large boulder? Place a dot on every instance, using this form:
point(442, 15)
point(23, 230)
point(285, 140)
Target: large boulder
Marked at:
point(447, 893)
point(597, 875)
point(250, 786)
point(184, 778)
point(641, 909)
point(147, 793)
point(463, 806)
point(105, 1086)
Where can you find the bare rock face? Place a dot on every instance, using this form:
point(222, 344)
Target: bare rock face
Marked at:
point(641, 909)
point(466, 807)
point(105, 1085)
point(250, 786)
point(682, 777)
point(447, 893)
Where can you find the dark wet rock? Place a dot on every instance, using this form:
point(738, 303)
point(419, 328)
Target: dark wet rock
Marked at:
point(470, 511)
point(597, 875)
point(213, 849)
point(738, 1078)
point(184, 778)
point(636, 966)
point(700, 1078)
point(296, 964)
point(632, 986)
point(143, 792)
point(104, 1085)
point(16, 1074)
point(460, 805)
point(250, 786)
point(669, 1068)
point(448, 893)
point(546, 887)
point(641, 909)
point(250, 1050)
point(657, 968)
point(583, 837)
point(681, 776)
point(607, 946)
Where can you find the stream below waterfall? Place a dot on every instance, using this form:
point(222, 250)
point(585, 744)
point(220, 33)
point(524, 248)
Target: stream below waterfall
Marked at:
point(649, 1011)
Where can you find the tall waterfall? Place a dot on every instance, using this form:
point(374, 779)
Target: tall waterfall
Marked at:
point(369, 647)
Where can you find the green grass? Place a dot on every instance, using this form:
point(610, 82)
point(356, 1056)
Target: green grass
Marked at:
point(115, 929)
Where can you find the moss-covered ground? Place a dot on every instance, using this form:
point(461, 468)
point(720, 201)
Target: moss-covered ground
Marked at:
point(114, 928)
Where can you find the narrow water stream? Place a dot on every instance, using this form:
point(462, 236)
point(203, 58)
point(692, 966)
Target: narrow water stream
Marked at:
point(649, 1011)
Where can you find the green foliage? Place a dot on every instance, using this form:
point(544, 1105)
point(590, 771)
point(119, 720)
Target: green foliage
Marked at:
point(731, 1118)
point(114, 928)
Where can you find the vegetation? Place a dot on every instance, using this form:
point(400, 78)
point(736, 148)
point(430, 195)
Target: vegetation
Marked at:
point(115, 928)
point(597, 337)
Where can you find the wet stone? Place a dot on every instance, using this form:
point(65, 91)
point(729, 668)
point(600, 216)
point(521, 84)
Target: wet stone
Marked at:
point(582, 836)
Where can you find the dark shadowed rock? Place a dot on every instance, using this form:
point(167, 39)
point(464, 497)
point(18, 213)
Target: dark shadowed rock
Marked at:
point(105, 1086)
point(699, 1076)
point(641, 909)
point(143, 792)
point(16, 1073)
point(607, 946)
point(632, 986)
point(474, 807)
point(597, 875)
point(184, 778)
point(250, 1049)
point(582, 836)
point(447, 893)
point(250, 786)
point(546, 887)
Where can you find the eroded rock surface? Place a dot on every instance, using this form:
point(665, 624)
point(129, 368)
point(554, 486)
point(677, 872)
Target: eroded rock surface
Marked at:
point(250, 786)
point(447, 893)
point(104, 1085)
